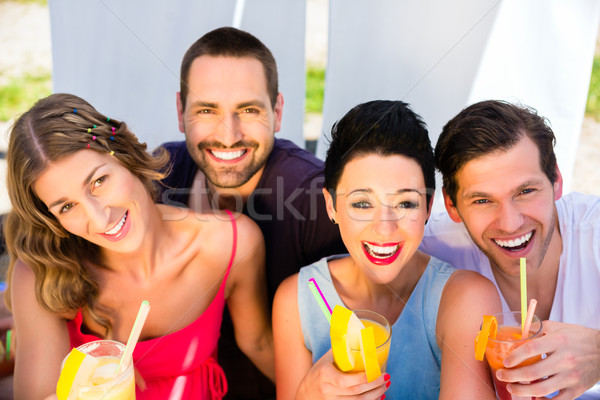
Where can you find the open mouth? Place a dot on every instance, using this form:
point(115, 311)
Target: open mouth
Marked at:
point(516, 244)
point(227, 155)
point(380, 251)
point(117, 228)
point(381, 254)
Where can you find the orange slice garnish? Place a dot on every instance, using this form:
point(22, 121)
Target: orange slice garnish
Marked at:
point(488, 329)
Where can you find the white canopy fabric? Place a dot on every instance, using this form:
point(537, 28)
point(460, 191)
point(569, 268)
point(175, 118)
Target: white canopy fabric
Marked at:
point(442, 56)
point(124, 56)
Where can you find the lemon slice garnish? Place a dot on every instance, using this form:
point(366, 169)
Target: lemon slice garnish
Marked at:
point(369, 353)
point(345, 335)
point(488, 329)
point(77, 370)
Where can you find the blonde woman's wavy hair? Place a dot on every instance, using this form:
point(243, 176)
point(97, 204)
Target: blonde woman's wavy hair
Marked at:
point(54, 128)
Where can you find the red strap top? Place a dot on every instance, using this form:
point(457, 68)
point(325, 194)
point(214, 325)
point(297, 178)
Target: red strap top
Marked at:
point(181, 364)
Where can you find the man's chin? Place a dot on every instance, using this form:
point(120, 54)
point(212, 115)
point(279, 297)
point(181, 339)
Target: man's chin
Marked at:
point(228, 180)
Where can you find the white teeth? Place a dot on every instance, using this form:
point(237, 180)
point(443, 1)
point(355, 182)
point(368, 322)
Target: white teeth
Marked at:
point(117, 227)
point(381, 251)
point(514, 242)
point(227, 155)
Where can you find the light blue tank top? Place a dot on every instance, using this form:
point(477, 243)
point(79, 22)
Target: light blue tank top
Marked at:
point(415, 357)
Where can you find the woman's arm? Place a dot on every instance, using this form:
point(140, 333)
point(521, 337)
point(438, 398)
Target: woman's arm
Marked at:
point(292, 358)
point(296, 376)
point(247, 298)
point(467, 296)
point(43, 339)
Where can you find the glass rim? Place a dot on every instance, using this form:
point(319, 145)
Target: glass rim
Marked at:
point(387, 325)
point(119, 378)
point(535, 319)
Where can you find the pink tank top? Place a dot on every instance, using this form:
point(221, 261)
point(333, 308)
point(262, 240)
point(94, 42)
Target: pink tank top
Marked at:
point(183, 364)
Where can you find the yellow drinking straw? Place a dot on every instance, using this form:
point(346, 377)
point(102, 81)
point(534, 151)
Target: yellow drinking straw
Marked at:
point(523, 292)
point(134, 335)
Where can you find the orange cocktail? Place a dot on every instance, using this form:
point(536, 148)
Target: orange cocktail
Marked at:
point(508, 337)
point(383, 335)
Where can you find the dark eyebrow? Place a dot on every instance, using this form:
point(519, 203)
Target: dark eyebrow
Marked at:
point(86, 182)
point(201, 103)
point(359, 191)
point(475, 194)
point(524, 185)
point(399, 191)
point(408, 191)
point(254, 103)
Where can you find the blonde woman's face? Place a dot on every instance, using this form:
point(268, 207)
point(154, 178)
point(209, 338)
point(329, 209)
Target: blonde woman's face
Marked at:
point(95, 197)
point(381, 209)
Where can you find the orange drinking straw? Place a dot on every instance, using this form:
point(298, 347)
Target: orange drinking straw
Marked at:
point(523, 293)
point(530, 312)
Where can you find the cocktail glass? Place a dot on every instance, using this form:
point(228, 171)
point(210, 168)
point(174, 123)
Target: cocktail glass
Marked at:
point(508, 337)
point(383, 337)
point(121, 387)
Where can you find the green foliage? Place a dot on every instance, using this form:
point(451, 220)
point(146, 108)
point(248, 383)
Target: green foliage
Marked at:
point(593, 102)
point(21, 93)
point(315, 87)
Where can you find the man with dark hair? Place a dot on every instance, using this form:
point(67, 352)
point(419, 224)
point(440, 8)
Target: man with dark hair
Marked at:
point(229, 108)
point(502, 190)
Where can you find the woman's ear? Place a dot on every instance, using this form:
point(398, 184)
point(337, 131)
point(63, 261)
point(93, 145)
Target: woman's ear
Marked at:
point(329, 205)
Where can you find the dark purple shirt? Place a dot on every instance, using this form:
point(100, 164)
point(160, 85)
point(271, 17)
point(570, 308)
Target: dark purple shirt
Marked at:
point(289, 208)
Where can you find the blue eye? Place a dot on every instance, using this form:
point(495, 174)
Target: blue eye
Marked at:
point(361, 205)
point(408, 205)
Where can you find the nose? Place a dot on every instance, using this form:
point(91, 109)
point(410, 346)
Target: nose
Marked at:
point(98, 215)
point(385, 221)
point(229, 131)
point(509, 217)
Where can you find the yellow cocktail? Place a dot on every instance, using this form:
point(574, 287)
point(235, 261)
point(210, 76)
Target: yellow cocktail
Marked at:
point(103, 379)
point(383, 336)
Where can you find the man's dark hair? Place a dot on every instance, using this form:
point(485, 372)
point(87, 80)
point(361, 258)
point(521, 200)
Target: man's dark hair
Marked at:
point(382, 127)
point(489, 126)
point(230, 42)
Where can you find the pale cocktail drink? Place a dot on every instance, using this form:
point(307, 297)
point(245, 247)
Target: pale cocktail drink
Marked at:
point(106, 381)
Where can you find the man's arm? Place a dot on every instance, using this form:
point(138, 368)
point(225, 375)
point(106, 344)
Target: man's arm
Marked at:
point(572, 364)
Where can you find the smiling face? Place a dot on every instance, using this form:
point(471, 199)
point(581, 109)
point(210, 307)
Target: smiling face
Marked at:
point(228, 120)
point(507, 204)
point(381, 209)
point(95, 197)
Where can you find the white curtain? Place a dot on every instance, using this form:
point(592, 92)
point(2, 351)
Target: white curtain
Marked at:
point(442, 56)
point(124, 56)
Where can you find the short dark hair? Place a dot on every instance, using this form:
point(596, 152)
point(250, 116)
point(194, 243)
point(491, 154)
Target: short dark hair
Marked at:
point(230, 42)
point(382, 127)
point(488, 126)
